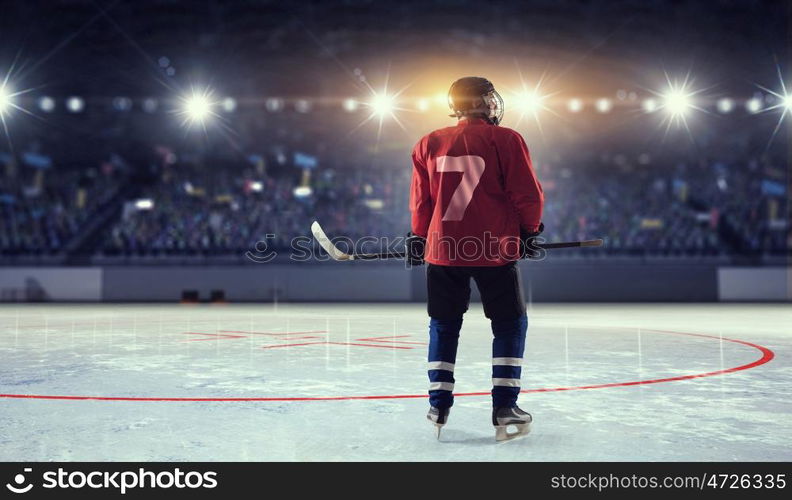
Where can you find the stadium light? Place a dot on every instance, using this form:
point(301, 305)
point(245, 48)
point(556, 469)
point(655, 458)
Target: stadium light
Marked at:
point(46, 104)
point(781, 98)
point(229, 104)
point(649, 105)
point(725, 105)
point(753, 105)
point(6, 100)
point(75, 104)
point(144, 204)
point(575, 105)
point(677, 102)
point(604, 105)
point(302, 191)
point(197, 107)
point(782, 101)
point(529, 102)
point(382, 105)
point(350, 105)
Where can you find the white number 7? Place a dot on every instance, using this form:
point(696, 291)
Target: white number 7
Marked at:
point(472, 167)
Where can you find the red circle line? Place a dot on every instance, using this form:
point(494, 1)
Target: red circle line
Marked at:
point(767, 356)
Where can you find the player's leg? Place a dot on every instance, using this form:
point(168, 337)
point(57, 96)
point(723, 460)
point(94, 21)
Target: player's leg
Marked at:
point(448, 299)
point(502, 298)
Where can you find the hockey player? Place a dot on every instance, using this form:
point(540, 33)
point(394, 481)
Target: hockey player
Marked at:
point(476, 207)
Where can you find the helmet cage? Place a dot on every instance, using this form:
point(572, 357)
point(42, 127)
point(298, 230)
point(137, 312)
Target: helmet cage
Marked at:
point(494, 105)
point(491, 107)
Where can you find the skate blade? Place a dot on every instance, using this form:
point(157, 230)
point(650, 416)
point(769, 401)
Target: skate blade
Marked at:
point(438, 427)
point(502, 433)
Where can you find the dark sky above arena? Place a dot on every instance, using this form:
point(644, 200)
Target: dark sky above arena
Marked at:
point(107, 47)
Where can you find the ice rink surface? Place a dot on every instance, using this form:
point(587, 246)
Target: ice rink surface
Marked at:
point(347, 382)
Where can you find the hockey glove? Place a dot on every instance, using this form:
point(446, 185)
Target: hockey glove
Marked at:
point(415, 246)
point(528, 249)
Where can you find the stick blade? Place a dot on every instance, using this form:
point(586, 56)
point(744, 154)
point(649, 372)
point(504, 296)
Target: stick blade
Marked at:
point(326, 244)
point(592, 243)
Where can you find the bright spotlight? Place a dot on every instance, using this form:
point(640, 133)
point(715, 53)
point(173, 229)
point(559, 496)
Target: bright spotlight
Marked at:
point(677, 102)
point(302, 191)
point(382, 105)
point(782, 101)
point(144, 204)
point(754, 105)
point(787, 102)
point(6, 100)
point(575, 105)
point(725, 105)
point(75, 104)
point(350, 105)
point(604, 105)
point(422, 104)
point(47, 104)
point(649, 105)
point(529, 102)
point(9, 103)
point(197, 107)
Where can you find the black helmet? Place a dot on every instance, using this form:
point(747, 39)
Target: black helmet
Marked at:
point(473, 95)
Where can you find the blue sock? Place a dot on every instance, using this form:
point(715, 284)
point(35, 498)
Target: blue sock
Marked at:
point(508, 345)
point(443, 341)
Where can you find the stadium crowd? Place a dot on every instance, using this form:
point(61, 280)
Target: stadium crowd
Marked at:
point(42, 208)
point(643, 204)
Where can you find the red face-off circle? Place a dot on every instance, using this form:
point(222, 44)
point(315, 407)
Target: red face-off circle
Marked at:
point(766, 356)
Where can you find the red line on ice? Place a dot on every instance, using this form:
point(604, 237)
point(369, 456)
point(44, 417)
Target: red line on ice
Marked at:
point(274, 333)
point(767, 356)
point(212, 336)
point(389, 339)
point(291, 345)
point(337, 343)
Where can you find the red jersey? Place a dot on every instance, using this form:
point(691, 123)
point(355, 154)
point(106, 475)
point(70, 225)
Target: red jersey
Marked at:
point(472, 188)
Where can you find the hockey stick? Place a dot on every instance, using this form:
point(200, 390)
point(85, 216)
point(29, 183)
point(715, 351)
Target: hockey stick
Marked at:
point(338, 254)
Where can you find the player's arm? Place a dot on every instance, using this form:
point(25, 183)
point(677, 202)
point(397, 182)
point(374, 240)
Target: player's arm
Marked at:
point(421, 208)
point(520, 182)
point(421, 205)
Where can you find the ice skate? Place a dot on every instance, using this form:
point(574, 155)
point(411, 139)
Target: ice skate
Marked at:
point(439, 417)
point(514, 417)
